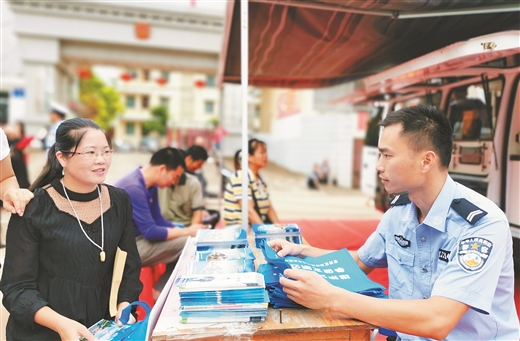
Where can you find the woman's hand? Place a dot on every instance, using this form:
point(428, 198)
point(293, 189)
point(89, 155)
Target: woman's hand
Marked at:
point(284, 248)
point(120, 308)
point(71, 330)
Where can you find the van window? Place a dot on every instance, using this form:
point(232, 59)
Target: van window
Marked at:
point(433, 98)
point(468, 110)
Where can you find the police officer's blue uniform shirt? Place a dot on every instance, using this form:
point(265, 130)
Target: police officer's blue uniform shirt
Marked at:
point(448, 256)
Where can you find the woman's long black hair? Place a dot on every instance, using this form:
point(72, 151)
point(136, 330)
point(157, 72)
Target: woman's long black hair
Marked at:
point(68, 137)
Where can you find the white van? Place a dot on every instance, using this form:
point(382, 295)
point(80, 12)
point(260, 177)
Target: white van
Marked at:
point(477, 84)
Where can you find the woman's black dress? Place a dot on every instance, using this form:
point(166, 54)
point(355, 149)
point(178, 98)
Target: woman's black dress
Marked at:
point(50, 262)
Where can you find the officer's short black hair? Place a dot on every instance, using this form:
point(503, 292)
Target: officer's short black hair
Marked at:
point(170, 157)
point(197, 153)
point(426, 128)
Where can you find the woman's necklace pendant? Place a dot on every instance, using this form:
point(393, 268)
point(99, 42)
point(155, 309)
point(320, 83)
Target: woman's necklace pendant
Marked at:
point(102, 256)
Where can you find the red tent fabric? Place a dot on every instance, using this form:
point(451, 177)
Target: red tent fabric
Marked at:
point(318, 43)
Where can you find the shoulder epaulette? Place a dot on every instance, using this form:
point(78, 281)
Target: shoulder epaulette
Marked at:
point(467, 210)
point(400, 199)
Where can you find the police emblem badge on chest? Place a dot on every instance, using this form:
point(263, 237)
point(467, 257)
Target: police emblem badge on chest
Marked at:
point(473, 253)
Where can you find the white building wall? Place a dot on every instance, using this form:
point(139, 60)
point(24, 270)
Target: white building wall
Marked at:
point(320, 136)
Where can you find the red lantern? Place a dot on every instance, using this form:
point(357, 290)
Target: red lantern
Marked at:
point(126, 76)
point(162, 81)
point(84, 73)
point(200, 83)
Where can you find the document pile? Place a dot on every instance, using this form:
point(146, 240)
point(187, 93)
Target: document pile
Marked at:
point(221, 252)
point(221, 238)
point(266, 232)
point(338, 268)
point(239, 297)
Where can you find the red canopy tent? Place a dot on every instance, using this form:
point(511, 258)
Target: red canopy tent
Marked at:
point(318, 43)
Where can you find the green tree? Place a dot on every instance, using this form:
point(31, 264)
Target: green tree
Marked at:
point(158, 122)
point(102, 101)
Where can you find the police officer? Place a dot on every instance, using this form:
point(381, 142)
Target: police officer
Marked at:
point(448, 249)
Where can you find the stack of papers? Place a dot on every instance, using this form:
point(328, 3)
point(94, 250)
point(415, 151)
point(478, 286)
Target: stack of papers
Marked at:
point(239, 297)
point(221, 238)
point(266, 232)
point(338, 268)
point(216, 254)
point(221, 267)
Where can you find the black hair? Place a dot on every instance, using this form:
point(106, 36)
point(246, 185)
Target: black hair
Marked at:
point(237, 161)
point(170, 157)
point(252, 145)
point(68, 137)
point(426, 128)
point(197, 153)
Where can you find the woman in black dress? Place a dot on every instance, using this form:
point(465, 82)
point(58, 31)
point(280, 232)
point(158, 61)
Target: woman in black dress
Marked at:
point(60, 253)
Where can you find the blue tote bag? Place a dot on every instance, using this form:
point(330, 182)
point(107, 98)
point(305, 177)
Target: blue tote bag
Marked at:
point(136, 331)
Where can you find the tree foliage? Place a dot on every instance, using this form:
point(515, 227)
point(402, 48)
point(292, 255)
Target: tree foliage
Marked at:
point(158, 122)
point(101, 100)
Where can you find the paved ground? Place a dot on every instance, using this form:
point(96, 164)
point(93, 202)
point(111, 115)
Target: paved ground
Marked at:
point(291, 198)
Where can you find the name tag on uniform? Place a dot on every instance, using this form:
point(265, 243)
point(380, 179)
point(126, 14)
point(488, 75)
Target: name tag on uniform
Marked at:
point(444, 255)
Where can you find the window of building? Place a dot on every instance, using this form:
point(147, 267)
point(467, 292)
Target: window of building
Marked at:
point(146, 75)
point(144, 102)
point(165, 101)
point(210, 81)
point(130, 129)
point(133, 73)
point(130, 101)
point(4, 105)
point(209, 107)
point(165, 75)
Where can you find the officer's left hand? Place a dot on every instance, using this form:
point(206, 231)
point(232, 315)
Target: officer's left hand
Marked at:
point(307, 288)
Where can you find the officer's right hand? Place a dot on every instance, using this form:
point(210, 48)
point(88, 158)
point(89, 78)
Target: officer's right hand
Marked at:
point(284, 248)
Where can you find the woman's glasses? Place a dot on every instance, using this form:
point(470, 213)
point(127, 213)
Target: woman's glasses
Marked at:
point(91, 155)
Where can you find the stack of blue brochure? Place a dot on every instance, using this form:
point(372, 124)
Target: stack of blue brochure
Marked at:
point(239, 297)
point(221, 267)
point(266, 232)
point(338, 268)
point(219, 261)
point(221, 238)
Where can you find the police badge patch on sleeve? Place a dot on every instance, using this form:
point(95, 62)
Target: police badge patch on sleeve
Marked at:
point(473, 253)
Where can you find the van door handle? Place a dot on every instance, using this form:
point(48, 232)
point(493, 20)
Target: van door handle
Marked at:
point(514, 157)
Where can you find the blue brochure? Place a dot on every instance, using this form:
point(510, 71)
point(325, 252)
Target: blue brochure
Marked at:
point(266, 232)
point(221, 238)
point(338, 268)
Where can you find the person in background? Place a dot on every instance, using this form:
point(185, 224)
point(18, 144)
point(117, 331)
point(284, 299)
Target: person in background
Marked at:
point(183, 202)
point(56, 116)
point(18, 141)
point(13, 198)
point(218, 134)
point(447, 248)
point(201, 142)
point(260, 209)
point(324, 170)
point(158, 240)
point(313, 180)
point(60, 255)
